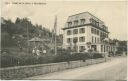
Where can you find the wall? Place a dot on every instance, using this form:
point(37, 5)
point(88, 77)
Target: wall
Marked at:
point(21, 72)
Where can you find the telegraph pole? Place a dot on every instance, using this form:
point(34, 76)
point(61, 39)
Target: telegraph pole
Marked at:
point(55, 27)
point(27, 39)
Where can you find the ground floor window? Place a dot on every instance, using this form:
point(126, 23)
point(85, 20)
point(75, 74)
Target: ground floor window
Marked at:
point(107, 49)
point(101, 48)
point(81, 48)
point(94, 48)
point(104, 49)
point(75, 48)
point(69, 48)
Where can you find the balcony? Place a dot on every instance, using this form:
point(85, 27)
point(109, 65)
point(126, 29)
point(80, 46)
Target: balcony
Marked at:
point(97, 26)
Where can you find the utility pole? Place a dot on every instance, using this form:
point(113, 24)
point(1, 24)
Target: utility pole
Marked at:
point(27, 39)
point(55, 28)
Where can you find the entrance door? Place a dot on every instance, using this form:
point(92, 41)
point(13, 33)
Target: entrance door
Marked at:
point(94, 47)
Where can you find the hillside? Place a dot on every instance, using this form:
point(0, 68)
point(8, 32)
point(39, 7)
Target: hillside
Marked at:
point(21, 30)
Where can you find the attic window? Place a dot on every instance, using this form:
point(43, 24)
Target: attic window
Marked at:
point(69, 24)
point(75, 22)
point(82, 21)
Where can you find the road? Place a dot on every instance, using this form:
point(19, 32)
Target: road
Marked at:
point(115, 69)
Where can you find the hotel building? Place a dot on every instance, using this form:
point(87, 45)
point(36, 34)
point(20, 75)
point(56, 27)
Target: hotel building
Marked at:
point(84, 31)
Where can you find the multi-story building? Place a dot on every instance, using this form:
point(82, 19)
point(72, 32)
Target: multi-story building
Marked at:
point(84, 31)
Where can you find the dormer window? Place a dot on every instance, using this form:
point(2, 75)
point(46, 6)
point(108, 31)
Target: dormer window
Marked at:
point(103, 26)
point(94, 22)
point(97, 23)
point(69, 24)
point(75, 22)
point(82, 21)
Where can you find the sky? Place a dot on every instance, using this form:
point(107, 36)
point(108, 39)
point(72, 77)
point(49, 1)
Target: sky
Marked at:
point(113, 13)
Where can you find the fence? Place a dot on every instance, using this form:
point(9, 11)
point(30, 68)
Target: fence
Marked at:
point(21, 72)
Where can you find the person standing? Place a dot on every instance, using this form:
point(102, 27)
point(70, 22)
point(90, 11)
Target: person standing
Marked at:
point(37, 52)
point(34, 51)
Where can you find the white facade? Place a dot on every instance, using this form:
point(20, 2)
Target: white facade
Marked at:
point(84, 28)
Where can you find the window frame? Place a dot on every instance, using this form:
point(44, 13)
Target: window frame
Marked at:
point(82, 39)
point(74, 39)
point(76, 23)
point(92, 39)
point(81, 48)
point(82, 21)
point(70, 40)
point(70, 32)
point(81, 31)
point(74, 31)
point(69, 24)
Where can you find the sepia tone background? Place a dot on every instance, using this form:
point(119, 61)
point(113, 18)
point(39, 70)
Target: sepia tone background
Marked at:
point(113, 13)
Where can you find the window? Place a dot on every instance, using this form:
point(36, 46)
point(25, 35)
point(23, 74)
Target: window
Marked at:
point(69, 48)
point(107, 35)
point(75, 39)
point(98, 40)
point(69, 24)
point(75, 22)
point(82, 21)
point(101, 34)
point(69, 40)
point(82, 48)
point(107, 48)
point(82, 30)
point(104, 48)
point(97, 24)
point(101, 48)
point(95, 40)
point(93, 21)
point(82, 39)
point(104, 35)
point(92, 39)
point(94, 47)
point(75, 31)
point(69, 32)
point(75, 48)
point(97, 32)
point(92, 30)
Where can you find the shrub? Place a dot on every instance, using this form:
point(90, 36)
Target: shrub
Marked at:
point(10, 59)
point(97, 55)
point(62, 56)
point(79, 56)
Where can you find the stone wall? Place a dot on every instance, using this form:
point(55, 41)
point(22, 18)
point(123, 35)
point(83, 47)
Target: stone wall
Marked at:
point(21, 72)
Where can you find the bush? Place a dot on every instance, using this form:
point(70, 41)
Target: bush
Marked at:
point(79, 56)
point(66, 57)
point(8, 59)
point(62, 56)
point(97, 55)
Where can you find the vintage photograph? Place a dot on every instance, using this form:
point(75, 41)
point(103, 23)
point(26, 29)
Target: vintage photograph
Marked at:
point(63, 40)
